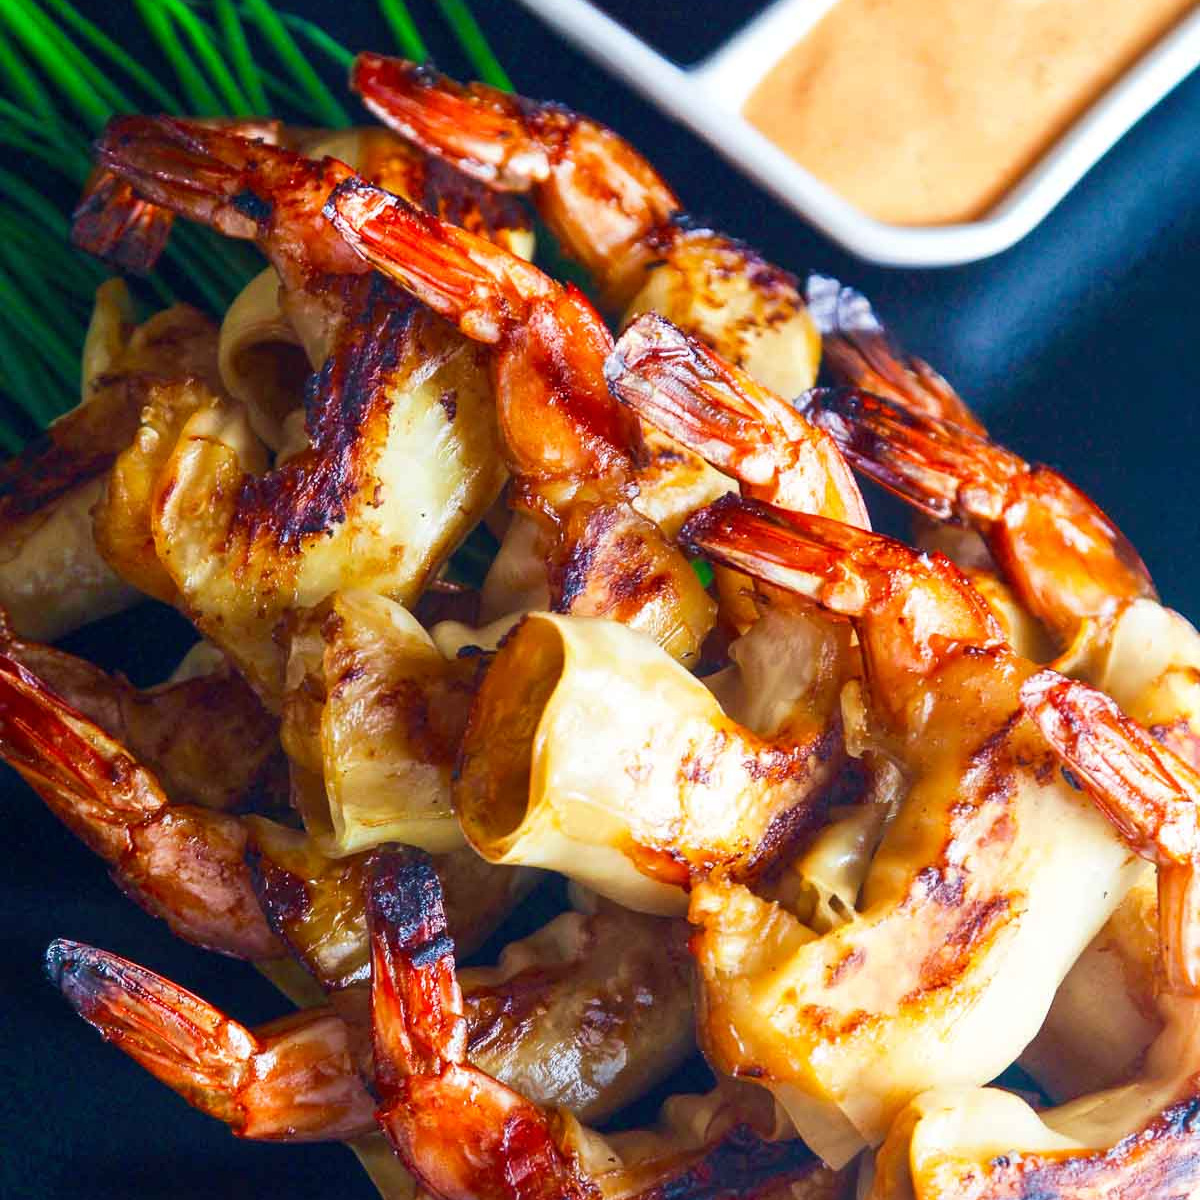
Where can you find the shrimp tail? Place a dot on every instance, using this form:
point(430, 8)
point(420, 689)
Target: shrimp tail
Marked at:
point(805, 554)
point(92, 785)
point(465, 278)
point(1150, 795)
point(716, 410)
point(945, 471)
point(478, 129)
point(183, 863)
point(463, 1134)
point(291, 1081)
point(175, 165)
point(679, 386)
point(860, 353)
point(115, 225)
point(861, 575)
point(1065, 557)
point(417, 1006)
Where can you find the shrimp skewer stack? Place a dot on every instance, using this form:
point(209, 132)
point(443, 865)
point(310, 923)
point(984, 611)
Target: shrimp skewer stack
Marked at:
point(569, 446)
point(241, 547)
point(1081, 581)
point(974, 906)
point(859, 982)
point(1139, 1140)
point(223, 881)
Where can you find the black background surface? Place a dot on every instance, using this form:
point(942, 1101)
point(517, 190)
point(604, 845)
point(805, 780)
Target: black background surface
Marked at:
point(1079, 346)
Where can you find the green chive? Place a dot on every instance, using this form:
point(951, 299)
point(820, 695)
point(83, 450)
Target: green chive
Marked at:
point(34, 203)
point(52, 156)
point(35, 284)
point(72, 145)
point(199, 266)
point(23, 81)
point(239, 53)
point(24, 386)
point(320, 40)
point(207, 249)
point(201, 99)
point(703, 571)
point(71, 272)
point(475, 45)
point(10, 439)
point(273, 29)
point(291, 97)
point(162, 293)
point(34, 328)
point(404, 29)
point(25, 348)
point(233, 260)
point(203, 41)
point(92, 33)
point(94, 96)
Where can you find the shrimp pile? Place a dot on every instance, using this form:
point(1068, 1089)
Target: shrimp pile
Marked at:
point(847, 826)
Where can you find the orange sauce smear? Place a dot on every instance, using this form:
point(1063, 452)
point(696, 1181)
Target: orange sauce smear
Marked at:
point(925, 112)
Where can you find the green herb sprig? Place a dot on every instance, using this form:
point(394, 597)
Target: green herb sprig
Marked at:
point(62, 77)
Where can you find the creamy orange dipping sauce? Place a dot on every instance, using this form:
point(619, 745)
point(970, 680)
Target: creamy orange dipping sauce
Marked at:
point(925, 112)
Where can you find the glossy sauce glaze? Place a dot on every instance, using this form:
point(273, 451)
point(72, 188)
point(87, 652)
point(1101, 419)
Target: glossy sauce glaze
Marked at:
point(925, 112)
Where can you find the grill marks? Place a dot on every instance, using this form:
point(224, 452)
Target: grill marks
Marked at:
point(1158, 1162)
point(348, 404)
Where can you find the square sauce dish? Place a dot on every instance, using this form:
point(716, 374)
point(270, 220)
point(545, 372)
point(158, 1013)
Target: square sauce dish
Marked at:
point(934, 132)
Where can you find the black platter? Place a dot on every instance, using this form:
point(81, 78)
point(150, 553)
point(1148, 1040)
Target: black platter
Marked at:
point(1080, 346)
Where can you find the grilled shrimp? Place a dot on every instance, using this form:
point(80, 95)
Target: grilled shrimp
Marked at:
point(710, 406)
point(1066, 559)
point(291, 1080)
point(611, 211)
point(205, 737)
point(688, 391)
point(571, 448)
point(860, 353)
point(989, 882)
point(462, 1132)
point(52, 579)
point(1068, 563)
point(400, 421)
point(1138, 1141)
point(572, 1015)
point(263, 363)
point(1073, 570)
point(316, 904)
point(180, 862)
point(245, 886)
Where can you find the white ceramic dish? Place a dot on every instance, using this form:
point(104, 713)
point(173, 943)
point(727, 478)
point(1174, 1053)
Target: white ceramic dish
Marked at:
point(708, 99)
